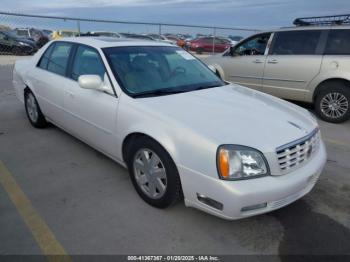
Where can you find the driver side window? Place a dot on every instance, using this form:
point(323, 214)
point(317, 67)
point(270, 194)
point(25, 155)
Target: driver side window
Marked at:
point(253, 46)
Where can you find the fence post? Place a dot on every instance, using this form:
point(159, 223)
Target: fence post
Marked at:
point(214, 35)
point(160, 29)
point(78, 25)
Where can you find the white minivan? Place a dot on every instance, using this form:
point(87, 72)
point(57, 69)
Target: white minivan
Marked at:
point(304, 63)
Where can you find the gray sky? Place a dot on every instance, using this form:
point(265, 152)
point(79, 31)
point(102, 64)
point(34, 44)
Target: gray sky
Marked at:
point(229, 13)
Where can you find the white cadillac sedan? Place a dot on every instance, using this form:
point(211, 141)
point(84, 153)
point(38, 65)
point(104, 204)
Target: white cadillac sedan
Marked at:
point(179, 129)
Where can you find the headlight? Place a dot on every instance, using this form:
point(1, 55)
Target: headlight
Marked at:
point(239, 162)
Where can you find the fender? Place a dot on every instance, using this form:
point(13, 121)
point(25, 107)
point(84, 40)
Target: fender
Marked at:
point(339, 75)
point(158, 135)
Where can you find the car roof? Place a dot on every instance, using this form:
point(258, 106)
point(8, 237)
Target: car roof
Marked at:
point(298, 28)
point(103, 42)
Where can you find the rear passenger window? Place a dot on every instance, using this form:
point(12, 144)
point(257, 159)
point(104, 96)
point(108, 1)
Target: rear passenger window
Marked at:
point(44, 60)
point(338, 42)
point(296, 42)
point(87, 62)
point(59, 58)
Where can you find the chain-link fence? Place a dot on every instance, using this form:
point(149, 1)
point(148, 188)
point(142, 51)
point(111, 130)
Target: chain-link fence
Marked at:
point(23, 34)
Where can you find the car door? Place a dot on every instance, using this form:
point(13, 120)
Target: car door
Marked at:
point(91, 114)
point(244, 63)
point(208, 44)
point(49, 79)
point(221, 45)
point(294, 60)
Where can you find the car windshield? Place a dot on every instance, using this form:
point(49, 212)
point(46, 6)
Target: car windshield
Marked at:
point(159, 70)
point(21, 32)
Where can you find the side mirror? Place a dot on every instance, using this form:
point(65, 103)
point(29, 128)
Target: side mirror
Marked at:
point(90, 82)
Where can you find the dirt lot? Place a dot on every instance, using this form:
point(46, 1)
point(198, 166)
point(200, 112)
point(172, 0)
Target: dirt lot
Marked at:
point(89, 205)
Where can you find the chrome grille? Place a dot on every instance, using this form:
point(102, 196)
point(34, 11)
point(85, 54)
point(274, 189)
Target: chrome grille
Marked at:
point(298, 152)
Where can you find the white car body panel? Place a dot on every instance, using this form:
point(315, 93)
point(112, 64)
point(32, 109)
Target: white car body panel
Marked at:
point(190, 126)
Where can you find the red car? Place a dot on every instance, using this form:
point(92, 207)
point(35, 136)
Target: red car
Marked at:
point(205, 44)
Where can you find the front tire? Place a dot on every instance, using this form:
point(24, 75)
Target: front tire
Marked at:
point(153, 173)
point(34, 114)
point(333, 101)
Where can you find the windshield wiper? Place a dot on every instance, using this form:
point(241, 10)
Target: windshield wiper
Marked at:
point(205, 87)
point(159, 92)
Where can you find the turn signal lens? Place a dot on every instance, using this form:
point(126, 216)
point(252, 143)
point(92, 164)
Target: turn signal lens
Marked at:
point(224, 163)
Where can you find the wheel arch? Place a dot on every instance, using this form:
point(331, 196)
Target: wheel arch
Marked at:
point(133, 136)
point(321, 85)
point(26, 90)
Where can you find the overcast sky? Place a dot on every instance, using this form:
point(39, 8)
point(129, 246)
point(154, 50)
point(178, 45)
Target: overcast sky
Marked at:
point(228, 13)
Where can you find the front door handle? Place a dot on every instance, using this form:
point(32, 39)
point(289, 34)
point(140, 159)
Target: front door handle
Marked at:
point(257, 61)
point(272, 61)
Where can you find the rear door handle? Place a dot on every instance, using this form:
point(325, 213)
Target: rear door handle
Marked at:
point(272, 61)
point(257, 61)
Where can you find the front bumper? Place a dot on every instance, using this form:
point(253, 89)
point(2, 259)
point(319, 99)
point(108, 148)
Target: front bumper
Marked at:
point(275, 191)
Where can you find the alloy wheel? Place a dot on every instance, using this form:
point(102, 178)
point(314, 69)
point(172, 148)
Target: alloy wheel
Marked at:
point(334, 105)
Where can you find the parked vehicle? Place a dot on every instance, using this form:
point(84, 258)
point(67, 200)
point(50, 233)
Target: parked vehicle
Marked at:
point(172, 38)
point(36, 35)
point(304, 63)
point(10, 43)
point(235, 38)
point(59, 34)
point(179, 129)
point(104, 33)
point(160, 38)
point(48, 33)
point(136, 36)
point(183, 40)
point(209, 44)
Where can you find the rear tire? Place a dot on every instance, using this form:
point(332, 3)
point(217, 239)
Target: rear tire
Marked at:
point(34, 114)
point(333, 101)
point(153, 173)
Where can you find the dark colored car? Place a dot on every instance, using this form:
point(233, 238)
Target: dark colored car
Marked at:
point(205, 44)
point(10, 43)
point(36, 35)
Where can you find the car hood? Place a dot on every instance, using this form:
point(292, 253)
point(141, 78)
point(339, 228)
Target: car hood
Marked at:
point(234, 114)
